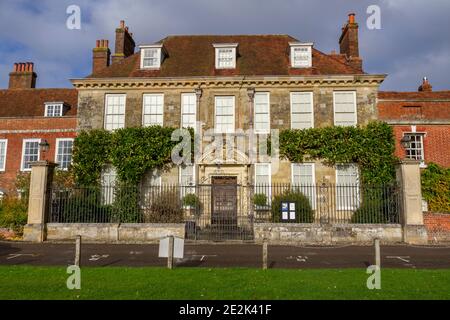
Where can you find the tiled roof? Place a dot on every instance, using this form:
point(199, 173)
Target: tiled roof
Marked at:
point(31, 102)
point(433, 95)
point(257, 55)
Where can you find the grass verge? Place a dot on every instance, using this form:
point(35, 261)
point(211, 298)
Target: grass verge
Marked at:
point(48, 283)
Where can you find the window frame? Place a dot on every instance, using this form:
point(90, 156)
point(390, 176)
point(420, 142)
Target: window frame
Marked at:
point(313, 186)
point(105, 114)
point(422, 142)
point(143, 109)
point(355, 104)
point(3, 168)
point(185, 189)
point(22, 160)
point(57, 141)
point(291, 105)
point(225, 46)
point(159, 56)
point(294, 46)
point(266, 130)
point(192, 94)
point(269, 196)
point(54, 104)
point(358, 185)
point(234, 114)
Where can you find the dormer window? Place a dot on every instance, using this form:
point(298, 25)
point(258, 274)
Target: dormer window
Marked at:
point(301, 55)
point(54, 109)
point(225, 55)
point(151, 56)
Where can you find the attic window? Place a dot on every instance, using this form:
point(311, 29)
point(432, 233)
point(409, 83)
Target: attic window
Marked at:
point(54, 109)
point(225, 55)
point(301, 55)
point(151, 56)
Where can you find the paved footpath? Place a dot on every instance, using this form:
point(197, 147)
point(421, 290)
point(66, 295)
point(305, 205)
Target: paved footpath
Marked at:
point(225, 255)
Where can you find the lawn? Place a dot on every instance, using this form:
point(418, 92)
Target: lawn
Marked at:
point(20, 282)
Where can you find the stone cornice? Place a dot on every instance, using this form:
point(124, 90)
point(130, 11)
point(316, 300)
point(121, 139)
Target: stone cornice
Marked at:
point(205, 82)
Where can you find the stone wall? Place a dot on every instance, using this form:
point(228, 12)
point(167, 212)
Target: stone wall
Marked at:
point(113, 232)
point(323, 234)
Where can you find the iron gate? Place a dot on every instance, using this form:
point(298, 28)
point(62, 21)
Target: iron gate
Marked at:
point(224, 213)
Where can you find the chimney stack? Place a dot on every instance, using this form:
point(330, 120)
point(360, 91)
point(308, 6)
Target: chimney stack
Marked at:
point(101, 56)
point(426, 86)
point(349, 42)
point(23, 76)
point(125, 44)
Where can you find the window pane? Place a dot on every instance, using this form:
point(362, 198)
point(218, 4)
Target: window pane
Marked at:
point(153, 109)
point(188, 110)
point(262, 114)
point(30, 154)
point(415, 149)
point(225, 114)
point(64, 154)
point(2, 154)
point(347, 187)
point(302, 114)
point(345, 109)
point(115, 112)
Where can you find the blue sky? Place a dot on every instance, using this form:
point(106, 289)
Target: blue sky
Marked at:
point(413, 41)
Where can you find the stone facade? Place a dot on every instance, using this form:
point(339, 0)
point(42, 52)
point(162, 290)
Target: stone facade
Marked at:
point(91, 107)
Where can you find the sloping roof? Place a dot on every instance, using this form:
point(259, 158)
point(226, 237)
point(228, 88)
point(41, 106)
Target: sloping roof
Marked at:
point(257, 55)
point(419, 95)
point(31, 102)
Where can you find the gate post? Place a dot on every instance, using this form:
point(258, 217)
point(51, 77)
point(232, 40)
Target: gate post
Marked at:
point(408, 175)
point(40, 183)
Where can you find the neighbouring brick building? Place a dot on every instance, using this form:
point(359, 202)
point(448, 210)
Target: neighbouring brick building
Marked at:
point(31, 118)
point(229, 83)
point(423, 118)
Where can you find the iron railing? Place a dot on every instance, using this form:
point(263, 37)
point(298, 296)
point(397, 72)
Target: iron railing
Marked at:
point(228, 209)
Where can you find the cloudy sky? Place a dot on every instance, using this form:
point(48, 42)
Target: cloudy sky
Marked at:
point(413, 40)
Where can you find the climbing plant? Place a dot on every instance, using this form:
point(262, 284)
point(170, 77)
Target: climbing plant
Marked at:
point(436, 187)
point(371, 147)
point(132, 151)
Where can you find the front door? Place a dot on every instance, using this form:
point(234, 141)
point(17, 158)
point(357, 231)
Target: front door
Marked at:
point(224, 202)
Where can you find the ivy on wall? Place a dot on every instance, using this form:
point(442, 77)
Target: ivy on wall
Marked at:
point(132, 151)
point(436, 187)
point(371, 147)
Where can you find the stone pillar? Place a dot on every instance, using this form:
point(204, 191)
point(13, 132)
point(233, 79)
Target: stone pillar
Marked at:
point(41, 181)
point(408, 174)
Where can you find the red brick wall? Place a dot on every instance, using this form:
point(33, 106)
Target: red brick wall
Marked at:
point(16, 130)
point(438, 226)
point(436, 142)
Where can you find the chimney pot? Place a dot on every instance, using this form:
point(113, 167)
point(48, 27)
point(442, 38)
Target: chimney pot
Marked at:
point(122, 24)
point(426, 86)
point(351, 18)
point(23, 76)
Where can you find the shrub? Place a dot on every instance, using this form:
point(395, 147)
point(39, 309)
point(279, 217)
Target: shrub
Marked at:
point(191, 200)
point(260, 200)
point(13, 213)
point(436, 188)
point(303, 211)
point(164, 208)
point(81, 206)
point(378, 206)
point(127, 204)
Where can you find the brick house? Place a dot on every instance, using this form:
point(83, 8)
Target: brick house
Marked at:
point(29, 117)
point(423, 118)
point(229, 83)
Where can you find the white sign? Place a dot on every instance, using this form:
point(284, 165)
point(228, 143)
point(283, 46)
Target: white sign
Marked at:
point(178, 250)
